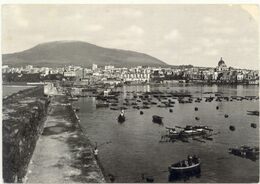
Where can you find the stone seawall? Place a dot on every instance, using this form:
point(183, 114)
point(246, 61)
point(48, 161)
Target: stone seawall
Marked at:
point(23, 117)
point(63, 153)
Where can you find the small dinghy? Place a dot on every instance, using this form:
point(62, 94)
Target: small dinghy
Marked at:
point(185, 168)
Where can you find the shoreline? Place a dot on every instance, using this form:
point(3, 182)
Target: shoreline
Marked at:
point(77, 120)
point(166, 82)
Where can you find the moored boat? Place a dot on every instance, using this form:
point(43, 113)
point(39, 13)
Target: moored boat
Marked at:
point(244, 151)
point(253, 113)
point(114, 108)
point(73, 98)
point(157, 119)
point(121, 117)
point(197, 130)
point(99, 105)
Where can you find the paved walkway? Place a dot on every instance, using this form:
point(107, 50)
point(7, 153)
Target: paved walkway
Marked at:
point(62, 154)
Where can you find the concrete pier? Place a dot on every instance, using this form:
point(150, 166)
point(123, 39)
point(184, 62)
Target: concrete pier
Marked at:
point(63, 154)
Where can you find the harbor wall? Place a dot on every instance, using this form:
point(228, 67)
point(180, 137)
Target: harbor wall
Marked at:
point(82, 140)
point(69, 158)
point(23, 116)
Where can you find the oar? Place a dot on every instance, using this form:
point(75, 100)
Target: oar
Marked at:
point(209, 129)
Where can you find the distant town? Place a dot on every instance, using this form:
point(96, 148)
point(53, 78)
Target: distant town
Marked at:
point(111, 75)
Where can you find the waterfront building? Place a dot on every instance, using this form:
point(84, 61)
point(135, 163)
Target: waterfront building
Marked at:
point(240, 77)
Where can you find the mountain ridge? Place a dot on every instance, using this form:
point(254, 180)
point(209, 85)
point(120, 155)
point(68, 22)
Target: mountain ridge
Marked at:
point(65, 52)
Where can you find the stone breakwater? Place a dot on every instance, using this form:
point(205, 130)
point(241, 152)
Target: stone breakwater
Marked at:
point(63, 153)
point(23, 117)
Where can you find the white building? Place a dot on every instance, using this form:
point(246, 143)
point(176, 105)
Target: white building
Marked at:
point(240, 76)
point(94, 66)
point(109, 67)
point(69, 74)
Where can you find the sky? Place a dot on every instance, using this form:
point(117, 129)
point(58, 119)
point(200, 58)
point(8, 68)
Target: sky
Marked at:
point(176, 34)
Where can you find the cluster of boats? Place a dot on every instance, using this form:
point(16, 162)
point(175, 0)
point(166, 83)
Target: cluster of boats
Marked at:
point(189, 131)
point(192, 165)
point(145, 100)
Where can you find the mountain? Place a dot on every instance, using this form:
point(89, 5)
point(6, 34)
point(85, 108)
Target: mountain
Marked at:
point(60, 53)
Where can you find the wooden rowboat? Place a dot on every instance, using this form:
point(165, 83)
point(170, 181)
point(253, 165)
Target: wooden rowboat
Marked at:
point(187, 169)
point(180, 170)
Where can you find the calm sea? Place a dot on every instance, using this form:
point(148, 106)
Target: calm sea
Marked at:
point(135, 148)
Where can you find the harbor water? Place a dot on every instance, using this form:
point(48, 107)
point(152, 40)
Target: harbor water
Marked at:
point(133, 148)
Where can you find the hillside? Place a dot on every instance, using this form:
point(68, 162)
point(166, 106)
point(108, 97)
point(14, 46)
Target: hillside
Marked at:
point(62, 53)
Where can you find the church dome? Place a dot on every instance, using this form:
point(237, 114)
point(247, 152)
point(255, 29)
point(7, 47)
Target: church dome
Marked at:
point(221, 62)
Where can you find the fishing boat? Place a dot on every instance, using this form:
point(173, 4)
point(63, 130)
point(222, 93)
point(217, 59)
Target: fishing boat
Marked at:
point(191, 133)
point(157, 119)
point(197, 130)
point(246, 152)
point(253, 113)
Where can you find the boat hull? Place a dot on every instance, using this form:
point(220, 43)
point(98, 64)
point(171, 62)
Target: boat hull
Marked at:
point(121, 119)
point(188, 169)
point(184, 173)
